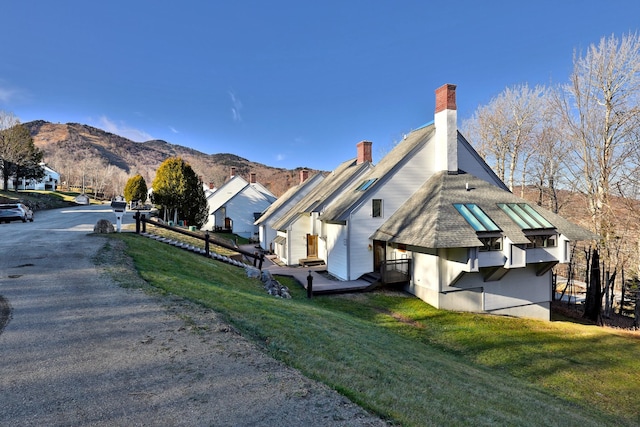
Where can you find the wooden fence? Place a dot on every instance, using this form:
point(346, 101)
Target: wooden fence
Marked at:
point(141, 226)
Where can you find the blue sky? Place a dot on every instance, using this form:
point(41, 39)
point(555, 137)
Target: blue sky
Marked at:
point(284, 83)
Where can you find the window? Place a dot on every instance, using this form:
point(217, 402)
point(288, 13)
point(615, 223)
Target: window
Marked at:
point(476, 217)
point(376, 208)
point(491, 243)
point(542, 241)
point(366, 184)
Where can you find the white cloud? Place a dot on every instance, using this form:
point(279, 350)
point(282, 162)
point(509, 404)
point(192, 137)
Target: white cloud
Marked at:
point(172, 129)
point(8, 94)
point(122, 129)
point(236, 106)
point(280, 157)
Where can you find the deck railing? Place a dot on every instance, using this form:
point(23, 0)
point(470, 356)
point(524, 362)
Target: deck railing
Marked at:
point(395, 271)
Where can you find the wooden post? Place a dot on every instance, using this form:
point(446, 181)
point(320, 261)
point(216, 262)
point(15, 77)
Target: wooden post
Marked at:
point(206, 243)
point(137, 217)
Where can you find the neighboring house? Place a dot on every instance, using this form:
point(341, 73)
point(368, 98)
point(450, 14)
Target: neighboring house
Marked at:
point(432, 214)
point(299, 236)
point(267, 234)
point(235, 206)
point(48, 183)
point(209, 189)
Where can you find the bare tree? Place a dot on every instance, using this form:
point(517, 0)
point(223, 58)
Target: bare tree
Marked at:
point(505, 128)
point(547, 152)
point(600, 115)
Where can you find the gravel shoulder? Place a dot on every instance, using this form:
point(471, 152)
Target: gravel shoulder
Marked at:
point(80, 349)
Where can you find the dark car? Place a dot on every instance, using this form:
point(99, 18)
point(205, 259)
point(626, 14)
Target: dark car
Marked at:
point(15, 211)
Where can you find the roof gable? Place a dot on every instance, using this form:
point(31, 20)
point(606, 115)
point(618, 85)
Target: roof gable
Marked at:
point(290, 197)
point(332, 185)
point(379, 174)
point(226, 191)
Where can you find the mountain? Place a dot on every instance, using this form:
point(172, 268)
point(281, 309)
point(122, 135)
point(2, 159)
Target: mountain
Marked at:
point(74, 143)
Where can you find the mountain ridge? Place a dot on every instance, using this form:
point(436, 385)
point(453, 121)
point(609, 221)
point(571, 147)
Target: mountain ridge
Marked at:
point(69, 144)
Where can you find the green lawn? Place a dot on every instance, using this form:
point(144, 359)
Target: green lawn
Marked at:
point(410, 363)
point(43, 199)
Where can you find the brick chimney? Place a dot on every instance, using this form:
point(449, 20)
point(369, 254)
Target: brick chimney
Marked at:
point(233, 172)
point(446, 123)
point(252, 178)
point(211, 186)
point(364, 152)
point(304, 175)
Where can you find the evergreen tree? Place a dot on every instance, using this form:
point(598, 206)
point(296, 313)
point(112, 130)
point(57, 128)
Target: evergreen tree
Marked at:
point(179, 191)
point(136, 189)
point(19, 157)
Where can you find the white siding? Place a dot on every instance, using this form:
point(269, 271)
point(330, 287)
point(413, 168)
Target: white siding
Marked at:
point(520, 287)
point(282, 249)
point(468, 162)
point(242, 208)
point(412, 173)
point(424, 282)
point(298, 239)
point(519, 293)
point(361, 226)
point(267, 234)
point(337, 250)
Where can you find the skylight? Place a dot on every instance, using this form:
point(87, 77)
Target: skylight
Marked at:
point(525, 216)
point(366, 184)
point(476, 217)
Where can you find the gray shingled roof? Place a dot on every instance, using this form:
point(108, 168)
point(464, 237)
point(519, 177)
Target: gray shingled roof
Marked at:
point(339, 210)
point(290, 193)
point(331, 185)
point(429, 219)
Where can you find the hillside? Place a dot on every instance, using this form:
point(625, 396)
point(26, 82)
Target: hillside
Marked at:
point(76, 143)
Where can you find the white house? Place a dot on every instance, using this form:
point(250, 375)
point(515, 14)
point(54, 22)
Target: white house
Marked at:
point(236, 205)
point(48, 183)
point(433, 215)
point(267, 234)
point(299, 239)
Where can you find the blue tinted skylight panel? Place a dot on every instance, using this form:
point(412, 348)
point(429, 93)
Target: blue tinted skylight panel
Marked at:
point(514, 216)
point(525, 216)
point(476, 218)
point(482, 217)
point(366, 184)
point(541, 220)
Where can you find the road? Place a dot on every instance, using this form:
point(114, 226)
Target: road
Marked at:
point(79, 350)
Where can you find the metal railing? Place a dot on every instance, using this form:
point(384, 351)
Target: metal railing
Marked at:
point(395, 271)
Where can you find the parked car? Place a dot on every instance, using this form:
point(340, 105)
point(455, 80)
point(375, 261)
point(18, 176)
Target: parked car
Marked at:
point(15, 211)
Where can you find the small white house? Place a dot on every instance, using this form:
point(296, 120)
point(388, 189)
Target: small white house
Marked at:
point(48, 183)
point(236, 205)
point(268, 234)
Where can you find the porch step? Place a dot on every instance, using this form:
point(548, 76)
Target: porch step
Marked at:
point(371, 277)
point(310, 262)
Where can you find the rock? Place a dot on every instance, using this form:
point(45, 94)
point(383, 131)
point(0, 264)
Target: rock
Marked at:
point(103, 226)
point(252, 272)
